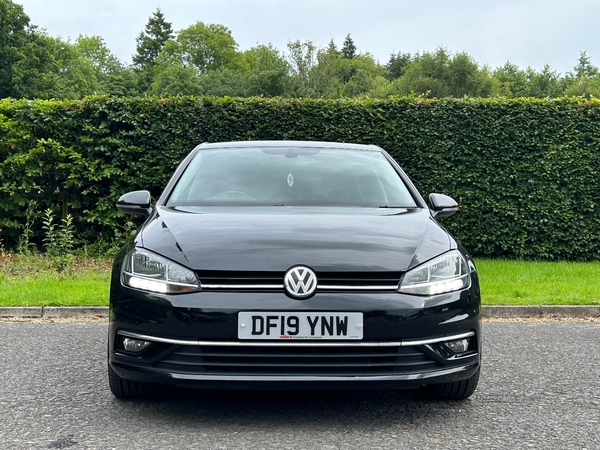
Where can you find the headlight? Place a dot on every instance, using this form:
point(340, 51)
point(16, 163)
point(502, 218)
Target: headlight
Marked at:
point(446, 273)
point(150, 272)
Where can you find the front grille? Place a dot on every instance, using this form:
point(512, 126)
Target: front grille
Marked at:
point(298, 360)
point(269, 281)
point(219, 280)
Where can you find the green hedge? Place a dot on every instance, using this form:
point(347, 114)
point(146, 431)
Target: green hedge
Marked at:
point(524, 171)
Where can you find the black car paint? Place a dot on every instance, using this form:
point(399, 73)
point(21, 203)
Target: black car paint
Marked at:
point(355, 240)
point(280, 237)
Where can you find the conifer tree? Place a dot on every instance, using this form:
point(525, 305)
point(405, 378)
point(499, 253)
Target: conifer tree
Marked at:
point(151, 41)
point(348, 48)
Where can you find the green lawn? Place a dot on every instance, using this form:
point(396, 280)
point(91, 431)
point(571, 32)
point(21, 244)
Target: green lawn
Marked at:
point(539, 283)
point(35, 281)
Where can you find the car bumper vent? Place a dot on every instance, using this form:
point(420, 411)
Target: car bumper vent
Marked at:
point(298, 360)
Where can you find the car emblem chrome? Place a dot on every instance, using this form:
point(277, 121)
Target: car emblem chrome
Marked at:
point(300, 282)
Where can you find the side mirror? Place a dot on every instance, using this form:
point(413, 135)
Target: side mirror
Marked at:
point(442, 205)
point(136, 202)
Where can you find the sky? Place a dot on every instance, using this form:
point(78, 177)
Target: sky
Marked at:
point(525, 32)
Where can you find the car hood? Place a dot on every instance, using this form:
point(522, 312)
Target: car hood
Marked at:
point(276, 238)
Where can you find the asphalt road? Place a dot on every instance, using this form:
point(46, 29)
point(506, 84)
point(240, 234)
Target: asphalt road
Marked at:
point(540, 388)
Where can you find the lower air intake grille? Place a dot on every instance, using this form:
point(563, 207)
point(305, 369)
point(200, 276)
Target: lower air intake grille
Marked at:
point(298, 360)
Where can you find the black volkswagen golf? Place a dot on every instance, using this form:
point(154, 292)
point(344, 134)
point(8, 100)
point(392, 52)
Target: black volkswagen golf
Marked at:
point(293, 265)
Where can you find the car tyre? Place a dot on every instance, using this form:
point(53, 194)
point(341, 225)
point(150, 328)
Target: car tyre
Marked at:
point(126, 389)
point(458, 390)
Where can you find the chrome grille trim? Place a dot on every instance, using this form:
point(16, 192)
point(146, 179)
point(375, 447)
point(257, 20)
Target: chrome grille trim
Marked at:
point(358, 288)
point(219, 280)
point(242, 286)
point(321, 379)
point(235, 287)
point(287, 343)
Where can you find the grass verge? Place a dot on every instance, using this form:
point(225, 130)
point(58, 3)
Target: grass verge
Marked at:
point(34, 280)
point(538, 283)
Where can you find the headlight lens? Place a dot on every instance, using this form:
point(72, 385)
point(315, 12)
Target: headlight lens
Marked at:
point(149, 272)
point(446, 273)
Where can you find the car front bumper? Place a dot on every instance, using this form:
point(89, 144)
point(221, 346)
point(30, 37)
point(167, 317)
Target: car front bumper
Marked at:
point(195, 344)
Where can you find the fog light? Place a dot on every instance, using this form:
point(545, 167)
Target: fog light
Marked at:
point(134, 345)
point(458, 346)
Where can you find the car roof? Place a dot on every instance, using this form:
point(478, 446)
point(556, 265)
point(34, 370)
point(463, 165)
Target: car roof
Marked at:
point(300, 144)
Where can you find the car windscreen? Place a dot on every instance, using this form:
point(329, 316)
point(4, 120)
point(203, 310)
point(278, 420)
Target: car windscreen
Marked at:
point(290, 176)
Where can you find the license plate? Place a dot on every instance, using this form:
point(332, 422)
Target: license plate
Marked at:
point(300, 325)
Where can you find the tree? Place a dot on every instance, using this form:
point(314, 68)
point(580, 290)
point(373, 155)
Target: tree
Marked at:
point(349, 48)
point(269, 73)
point(584, 67)
point(442, 74)
point(328, 73)
point(302, 57)
point(198, 62)
point(352, 77)
point(545, 83)
point(94, 49)
point(151, 41)
point(171, 76)
point(75, 76)
point(465, 78)
point(224, 82)
point(202, 59)
point(176, 80)
point(332, 48)
point(15, 32)
point(113, 77)
point(51, 68)
point(35, 65)
point(208, 47)
point(589, 87)
point(513, 81)
point(584, 80)
point(398, 64)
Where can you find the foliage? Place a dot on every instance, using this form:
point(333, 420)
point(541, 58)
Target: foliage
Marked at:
point(14, 34)
point(349, 47)
point(269, 72)
point(207, 47)
point(524, 171)
point(515, 82)
point(584, 80)
point(303, 60)
point(329, 73)
point(205, 59)
point(437, 74)
point(35, 65)
point(112, 77)
point(151, 41)
point(25, 244)
point(58, 239)
point(398, 64)
point(174, 79)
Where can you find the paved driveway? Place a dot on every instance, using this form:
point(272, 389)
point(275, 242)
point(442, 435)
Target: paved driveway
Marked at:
point(540, 388)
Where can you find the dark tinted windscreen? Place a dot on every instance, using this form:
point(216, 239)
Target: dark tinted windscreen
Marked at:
point(290, 176)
